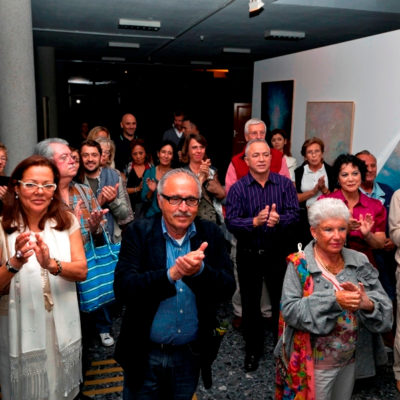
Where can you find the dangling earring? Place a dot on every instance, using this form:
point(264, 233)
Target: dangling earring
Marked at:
point(16, 195)
point(52, 199)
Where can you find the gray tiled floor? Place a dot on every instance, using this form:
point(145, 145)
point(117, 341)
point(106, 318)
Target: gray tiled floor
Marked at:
point(231, 382)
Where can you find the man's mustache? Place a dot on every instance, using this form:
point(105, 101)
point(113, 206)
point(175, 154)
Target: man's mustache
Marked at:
point(182, 214)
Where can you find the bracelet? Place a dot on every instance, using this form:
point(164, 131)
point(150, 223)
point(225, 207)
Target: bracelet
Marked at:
point(59, 267)
point(10, 268)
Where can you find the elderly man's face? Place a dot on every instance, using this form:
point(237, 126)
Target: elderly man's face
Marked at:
point(258, 158)
point(255, 131)
point(178, 217)
point(372, 169)
point(63, 159)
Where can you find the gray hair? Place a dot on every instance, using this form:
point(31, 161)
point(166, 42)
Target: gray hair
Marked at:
point(44, 149)
point(327, 208)
point(365, 153)
point(253, 121)
point(178, 171)
point(250, 142)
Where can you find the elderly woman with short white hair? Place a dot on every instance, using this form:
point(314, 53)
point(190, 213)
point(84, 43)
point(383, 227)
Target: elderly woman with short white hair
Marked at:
point(333, 308)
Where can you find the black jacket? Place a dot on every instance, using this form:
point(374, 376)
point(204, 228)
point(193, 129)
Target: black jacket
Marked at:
point(141, 283)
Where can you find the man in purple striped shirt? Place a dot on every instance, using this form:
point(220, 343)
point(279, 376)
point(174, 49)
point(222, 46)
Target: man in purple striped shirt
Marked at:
point(260, 208)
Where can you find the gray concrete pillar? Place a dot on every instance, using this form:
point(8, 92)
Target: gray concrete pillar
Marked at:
point(17, 81)
point(46, 87)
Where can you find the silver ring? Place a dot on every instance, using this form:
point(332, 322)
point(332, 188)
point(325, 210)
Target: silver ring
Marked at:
point(19, 254)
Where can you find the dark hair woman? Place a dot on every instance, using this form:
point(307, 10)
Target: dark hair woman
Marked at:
point(278, 140)
point(141, 161)
point(43, 257)
point(367, 224)
point(166, 155)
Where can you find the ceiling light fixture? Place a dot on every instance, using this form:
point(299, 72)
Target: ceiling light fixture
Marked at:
point(124, 44)
point(275, 34)
point(139, 24)
point(236, 50)
point(113, 58)
point(255, 5)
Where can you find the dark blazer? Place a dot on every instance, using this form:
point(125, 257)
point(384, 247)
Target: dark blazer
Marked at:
point(299, 172)
point(141, 283)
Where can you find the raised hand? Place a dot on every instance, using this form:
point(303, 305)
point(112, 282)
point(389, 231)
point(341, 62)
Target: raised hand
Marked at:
point(108, 194)
point(96, 217)
point(273, 217)
point(190, 263)
point(152, 184)
point(366, 224)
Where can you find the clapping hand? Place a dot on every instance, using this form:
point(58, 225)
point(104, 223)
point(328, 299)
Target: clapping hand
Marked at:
point(108, 194)
point(151, 184)
point(189, 264)
point(270, 217)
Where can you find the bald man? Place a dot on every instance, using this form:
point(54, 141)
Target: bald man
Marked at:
point(122, 144)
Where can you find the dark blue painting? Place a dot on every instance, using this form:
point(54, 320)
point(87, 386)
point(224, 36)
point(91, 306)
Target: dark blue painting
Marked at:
point(277, 105)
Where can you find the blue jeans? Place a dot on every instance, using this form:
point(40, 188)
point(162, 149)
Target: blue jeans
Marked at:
point(171, 375)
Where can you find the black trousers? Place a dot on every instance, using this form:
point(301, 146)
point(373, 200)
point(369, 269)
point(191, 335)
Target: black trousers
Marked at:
point(254, 267)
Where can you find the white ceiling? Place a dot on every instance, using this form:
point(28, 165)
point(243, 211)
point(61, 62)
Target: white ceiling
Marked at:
point(197, 30)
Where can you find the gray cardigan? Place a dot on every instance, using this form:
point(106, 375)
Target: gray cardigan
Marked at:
point(318, 312)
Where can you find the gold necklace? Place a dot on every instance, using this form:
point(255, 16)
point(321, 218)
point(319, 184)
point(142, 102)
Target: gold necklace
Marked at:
point(330, 269)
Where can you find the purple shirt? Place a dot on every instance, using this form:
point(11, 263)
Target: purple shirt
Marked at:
point(247, 198)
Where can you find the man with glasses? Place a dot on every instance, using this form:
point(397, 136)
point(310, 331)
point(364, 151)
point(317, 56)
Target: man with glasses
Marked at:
point(173, 270)
point(260, 209)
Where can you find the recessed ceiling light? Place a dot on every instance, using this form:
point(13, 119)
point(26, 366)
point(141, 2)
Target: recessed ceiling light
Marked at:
point(236, 50)
point(124, 44)
point(139, 24)
point(113, 58)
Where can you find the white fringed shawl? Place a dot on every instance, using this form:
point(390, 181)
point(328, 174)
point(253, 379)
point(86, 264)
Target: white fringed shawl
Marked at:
point(27, 322)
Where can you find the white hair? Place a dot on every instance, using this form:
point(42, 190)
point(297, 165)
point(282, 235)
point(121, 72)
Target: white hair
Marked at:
point(253, 121)
point(327, 208)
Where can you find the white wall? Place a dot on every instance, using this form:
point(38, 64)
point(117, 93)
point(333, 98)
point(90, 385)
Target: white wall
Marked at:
point(366, 71)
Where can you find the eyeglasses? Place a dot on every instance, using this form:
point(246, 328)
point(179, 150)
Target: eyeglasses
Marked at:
point(176, 200)
point(64, 157)
point(31, 186)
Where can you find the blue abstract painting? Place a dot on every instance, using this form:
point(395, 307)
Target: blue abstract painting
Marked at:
point(277, 105)
point(390, 172)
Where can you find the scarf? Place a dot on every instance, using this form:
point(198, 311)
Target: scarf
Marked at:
point(297, 382)
point(27, 322)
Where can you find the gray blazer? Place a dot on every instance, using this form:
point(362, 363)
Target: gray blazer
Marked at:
point(318, 312)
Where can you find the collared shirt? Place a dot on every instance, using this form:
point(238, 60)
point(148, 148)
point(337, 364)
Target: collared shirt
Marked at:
point(377, 193)
point(247, 198)
point(364, 206)
point(176, 319)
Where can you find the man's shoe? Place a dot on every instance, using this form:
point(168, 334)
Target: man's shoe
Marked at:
point(250, 362)
point(106, 339)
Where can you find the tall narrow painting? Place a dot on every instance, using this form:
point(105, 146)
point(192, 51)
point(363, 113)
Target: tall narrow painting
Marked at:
point(277, 105)
point(331, 121)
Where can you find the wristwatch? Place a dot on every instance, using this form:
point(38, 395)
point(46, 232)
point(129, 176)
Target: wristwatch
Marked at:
point(10, 268)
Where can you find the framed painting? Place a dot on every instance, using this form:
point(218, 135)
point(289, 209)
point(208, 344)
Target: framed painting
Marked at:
point(332, 122)
point(390, 172)
point(277, 105)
